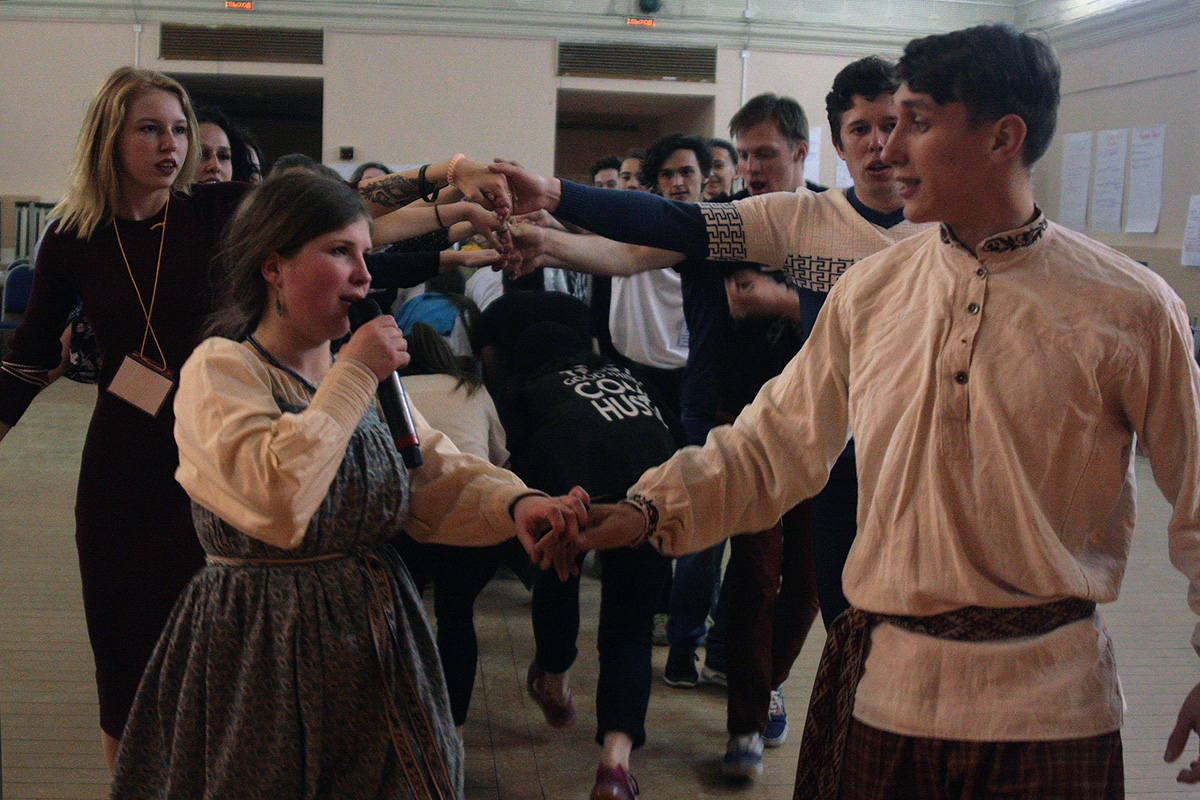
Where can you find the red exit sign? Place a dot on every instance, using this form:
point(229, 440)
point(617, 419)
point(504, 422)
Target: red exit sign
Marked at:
point(639, 22)
point(240, 5)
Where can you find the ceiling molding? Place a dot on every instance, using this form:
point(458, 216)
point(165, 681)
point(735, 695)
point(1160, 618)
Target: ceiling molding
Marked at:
point(1134, 19)
point(756, 31)
point(763, 25)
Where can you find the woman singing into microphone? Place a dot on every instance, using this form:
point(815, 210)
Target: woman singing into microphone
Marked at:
point(298, 662)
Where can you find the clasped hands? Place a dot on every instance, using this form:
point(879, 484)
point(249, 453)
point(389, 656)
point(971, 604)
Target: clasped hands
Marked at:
point(519, 198)
point(555, 531)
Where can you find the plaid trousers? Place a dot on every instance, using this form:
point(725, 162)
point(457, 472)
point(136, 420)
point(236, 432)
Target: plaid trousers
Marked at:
point(887, 766)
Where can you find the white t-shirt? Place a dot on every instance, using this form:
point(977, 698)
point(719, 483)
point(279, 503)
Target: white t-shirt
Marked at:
point(646, 319)
point(484, 286)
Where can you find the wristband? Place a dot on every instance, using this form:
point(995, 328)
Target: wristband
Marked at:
point(424, 186)
point(438, 216)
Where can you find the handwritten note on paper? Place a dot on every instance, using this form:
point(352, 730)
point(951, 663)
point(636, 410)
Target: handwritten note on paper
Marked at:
point(1108, 181)
point(1191, 234)
point(1145, 178)
point(1076, 173)
point(812, 162)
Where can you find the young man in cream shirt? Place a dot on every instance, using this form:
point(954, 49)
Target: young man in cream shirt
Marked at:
point(994, 372)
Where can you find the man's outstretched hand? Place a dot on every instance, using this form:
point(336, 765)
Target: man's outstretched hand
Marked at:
point(530, 191)
point(529, 249)
point(479, 184)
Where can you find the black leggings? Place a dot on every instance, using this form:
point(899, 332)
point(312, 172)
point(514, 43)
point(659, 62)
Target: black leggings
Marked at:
point(458, 575)
point(630, 582)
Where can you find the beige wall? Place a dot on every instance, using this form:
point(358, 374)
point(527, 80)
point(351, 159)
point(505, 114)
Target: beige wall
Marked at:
point(436, 96)
point(412, 99)
point(804, 77)
point(406, 99)
point(51, 71)
point(396, 98)
point(1151, 79)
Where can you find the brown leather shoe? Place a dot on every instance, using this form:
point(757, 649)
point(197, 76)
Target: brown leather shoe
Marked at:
point(614, 783)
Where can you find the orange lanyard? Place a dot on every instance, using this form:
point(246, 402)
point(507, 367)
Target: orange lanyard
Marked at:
point(148, 312)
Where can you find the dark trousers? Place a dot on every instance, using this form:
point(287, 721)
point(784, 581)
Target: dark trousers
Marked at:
point(458, 575)
point(630, 581)
point(694, 590)
point(662, 386)
point(772, 592)
point(834, 524)
point(887, 766)
point(697, 577)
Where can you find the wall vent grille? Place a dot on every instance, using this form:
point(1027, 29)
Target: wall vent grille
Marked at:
point(238, 43)
point(641, 62)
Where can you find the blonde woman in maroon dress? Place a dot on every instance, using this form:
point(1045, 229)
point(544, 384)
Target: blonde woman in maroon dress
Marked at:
point(134, 243)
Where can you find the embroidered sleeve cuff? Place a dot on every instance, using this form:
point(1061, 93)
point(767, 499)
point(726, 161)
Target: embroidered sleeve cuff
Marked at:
point(726, 232)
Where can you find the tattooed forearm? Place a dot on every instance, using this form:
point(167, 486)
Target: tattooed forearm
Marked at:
point(390, 191)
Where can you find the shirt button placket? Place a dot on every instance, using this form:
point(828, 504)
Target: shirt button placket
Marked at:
point(973, 309)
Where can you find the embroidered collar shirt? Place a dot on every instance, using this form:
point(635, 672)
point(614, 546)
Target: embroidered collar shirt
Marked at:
point(994, 398)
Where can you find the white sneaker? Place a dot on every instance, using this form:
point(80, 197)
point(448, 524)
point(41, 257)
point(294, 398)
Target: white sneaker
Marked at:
point(714, 676)
point(777, 723)
point(743, 757)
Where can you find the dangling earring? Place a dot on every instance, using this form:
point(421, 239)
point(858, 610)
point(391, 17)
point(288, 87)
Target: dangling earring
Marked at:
point(279, 309)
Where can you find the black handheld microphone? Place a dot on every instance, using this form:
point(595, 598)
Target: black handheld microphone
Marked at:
point(392, 398)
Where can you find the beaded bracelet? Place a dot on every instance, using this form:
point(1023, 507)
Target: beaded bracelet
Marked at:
point(451, 178)
point(649, 512)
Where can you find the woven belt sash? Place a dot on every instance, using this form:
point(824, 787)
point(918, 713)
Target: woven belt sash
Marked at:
point(226, 561)
point(823, 745)
point(434, 778)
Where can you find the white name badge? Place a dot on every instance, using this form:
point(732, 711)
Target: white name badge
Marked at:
point(142, 384)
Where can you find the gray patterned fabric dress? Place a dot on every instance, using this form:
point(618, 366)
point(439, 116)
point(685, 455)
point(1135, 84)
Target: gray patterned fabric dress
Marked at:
point(317, 678)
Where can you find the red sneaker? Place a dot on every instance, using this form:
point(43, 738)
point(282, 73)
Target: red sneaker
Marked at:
point(560, 712)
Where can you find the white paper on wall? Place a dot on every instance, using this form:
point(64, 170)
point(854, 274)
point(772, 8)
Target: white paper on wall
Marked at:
point(812, 163)
point(1076, 174)
point(1191, 234)
point(1145, 178)
point(1108, 181)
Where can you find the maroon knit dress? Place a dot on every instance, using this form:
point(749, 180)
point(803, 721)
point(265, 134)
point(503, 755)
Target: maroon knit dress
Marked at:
point(133, 522)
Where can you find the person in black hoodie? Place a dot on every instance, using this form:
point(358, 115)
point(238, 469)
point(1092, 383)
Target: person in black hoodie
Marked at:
point(574, 418)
